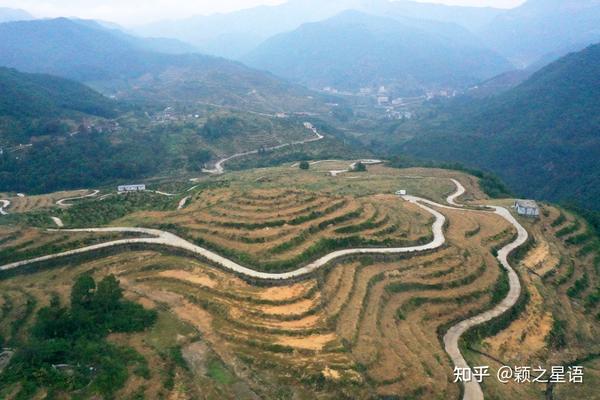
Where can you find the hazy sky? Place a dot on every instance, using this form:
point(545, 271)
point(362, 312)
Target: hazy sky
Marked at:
point(141, 11)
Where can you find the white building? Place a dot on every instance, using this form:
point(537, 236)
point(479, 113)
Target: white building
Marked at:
point(131, 188)
point(383, 100)
point(528, 208)
point(401, 193)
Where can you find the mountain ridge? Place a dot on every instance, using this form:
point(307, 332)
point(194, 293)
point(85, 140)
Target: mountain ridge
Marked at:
point(367, 50)
point(540, 137)
point(125, 69)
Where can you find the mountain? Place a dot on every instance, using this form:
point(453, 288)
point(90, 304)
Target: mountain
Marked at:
point(353, 50)
point(13, 14)
point(37, 105)
point(25, 96)
point(471, 18)
point(541, 27)
point(234, 34)
point(122, 66)
point(542, 137)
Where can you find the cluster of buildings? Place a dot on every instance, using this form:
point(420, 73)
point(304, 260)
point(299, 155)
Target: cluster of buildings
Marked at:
point(99, 126)
point(169, 115)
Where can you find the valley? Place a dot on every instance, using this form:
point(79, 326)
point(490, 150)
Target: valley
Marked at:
point(298, 200)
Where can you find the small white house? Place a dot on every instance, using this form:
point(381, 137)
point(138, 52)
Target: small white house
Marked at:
point(527, 208)
point(401, 193)
point(131, 188)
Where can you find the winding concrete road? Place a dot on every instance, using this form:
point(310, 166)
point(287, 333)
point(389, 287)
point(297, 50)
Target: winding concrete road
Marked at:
point(342, 171)
point(3, 206)
point(219, 169)
point(163, 238)
point(63, 202)
point(451, 339)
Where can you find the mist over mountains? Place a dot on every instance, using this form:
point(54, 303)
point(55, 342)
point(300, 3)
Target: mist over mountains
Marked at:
point(235, 34)
point(529, 134)
point(12, 14)
point(133, 68)
point(544, 28)
point(353, 49)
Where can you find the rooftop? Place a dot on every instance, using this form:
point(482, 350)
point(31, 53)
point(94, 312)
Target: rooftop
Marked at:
point(526, 203)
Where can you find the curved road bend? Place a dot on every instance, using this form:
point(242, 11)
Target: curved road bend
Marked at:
point(219, 169)
point(472, 389)
point(451, 339)
point(168, 239)
point(63, 202)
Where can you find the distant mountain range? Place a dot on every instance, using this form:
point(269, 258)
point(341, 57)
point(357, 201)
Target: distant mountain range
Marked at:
point(540, 28)
point(131, 68)
point(535, 32)
point(234, 34)
point(13, 14)
point(353, 49)
point(542, 137)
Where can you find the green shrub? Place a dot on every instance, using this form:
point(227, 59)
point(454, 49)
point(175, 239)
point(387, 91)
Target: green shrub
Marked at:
point(74, 338)
point(304, 165)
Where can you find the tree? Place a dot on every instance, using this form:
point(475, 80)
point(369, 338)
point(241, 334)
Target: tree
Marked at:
point(108, 295)
point(82, 293)
point(304, 165)
point(199, 158)
point(360, 167)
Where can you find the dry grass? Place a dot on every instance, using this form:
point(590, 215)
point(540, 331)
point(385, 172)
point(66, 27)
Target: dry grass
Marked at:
point(39, 202)
point(363, 327)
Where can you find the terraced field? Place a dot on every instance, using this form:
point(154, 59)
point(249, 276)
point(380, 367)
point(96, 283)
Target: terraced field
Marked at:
point(367, 326)
point(18, 244)
point(275, 229)
point(559, 326)
point(41, 202)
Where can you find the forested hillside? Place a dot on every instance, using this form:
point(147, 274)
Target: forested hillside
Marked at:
point(542, 137)
point(117, 64)
point(41, 105)
point(37, 95)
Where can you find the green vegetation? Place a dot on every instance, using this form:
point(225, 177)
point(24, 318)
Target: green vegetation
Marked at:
point(67, 349)
point(84, 160)
point(304, 165)
point(551, 119)
point(219, 372)
point(491, 184)
point(557, 337)
point(102, 212)
point(360, 167)
point(36, 105)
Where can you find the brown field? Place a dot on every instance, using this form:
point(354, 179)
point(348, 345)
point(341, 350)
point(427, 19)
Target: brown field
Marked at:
point(364, 328)
point(549, 271)
point(39, 202)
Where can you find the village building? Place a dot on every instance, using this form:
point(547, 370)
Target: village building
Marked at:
point(383, 100)
point(131, 188)
point(528, 208)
